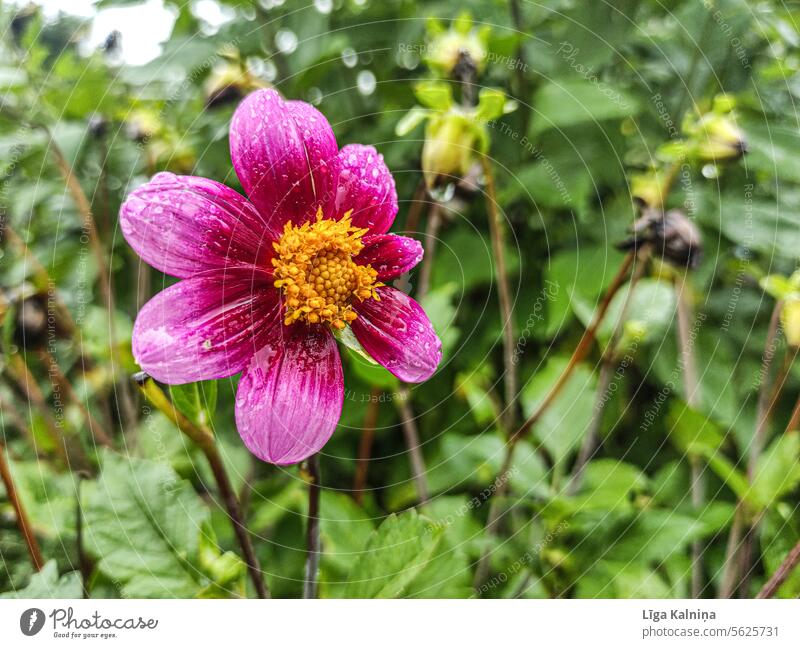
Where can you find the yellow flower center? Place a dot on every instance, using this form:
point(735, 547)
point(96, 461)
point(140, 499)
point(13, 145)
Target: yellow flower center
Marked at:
point(315, 269)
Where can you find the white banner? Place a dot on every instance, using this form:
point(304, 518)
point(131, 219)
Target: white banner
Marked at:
point(403, 623)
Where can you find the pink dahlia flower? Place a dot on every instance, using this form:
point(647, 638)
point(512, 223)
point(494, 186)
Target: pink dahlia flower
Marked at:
point(266, 281)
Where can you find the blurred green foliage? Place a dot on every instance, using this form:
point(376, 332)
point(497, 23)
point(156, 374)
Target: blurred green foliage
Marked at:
point(599, 88)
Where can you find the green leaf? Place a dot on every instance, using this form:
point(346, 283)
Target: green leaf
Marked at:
point(434, 94)
point(48, 585)
point(776, 285)
point(411, 120)
point(692, 432)
point(562, 426)
point(197, 401)
point(399, 559)
point(143, 525)
point(492, 103)
point(567, 103)
point(778, 470)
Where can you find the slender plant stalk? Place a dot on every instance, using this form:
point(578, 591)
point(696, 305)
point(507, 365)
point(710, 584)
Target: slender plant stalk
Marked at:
point(432, 228)
point(766, 401)
point(415, 208)
point(749, 543)
point(204, 439)
point(580, 352)
point(692, 394)
point(781, 574)
point(365, 445)
point(23, 522)
point(496, 232)
point(41, 278)
point(68, 447)
point(608, 364)
point(106, 292)
point(418, 469)
point(310, 585)
point(96, 429)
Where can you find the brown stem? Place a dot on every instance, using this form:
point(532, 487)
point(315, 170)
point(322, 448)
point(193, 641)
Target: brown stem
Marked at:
point(781, 574)
point(415, 208)
point(310, 584)
point(749, 543)
point(67, 446)
point(365, 445)
point(106, 293)
point(204, 439)
point(23, 522)
point(609, 363)
point(692, 394)
point(431, 237)
point(96, 429)
point(794, 419)
point(411, 435)
point(580, 352)
point(41, 278)
point(504, 292)
point(766, 402)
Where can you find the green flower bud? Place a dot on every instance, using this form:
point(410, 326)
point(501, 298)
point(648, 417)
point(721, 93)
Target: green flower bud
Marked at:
point(447, 47)
point(790, 320)
point(451, 143)
point(716, 137)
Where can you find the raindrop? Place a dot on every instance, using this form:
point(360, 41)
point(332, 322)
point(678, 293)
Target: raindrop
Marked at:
point(314, 96)
point(443, 194)
point(286, 41)
point(710, 171)
point(349, 57)
point(366, 82)
point(324, 6)
point(270, 71)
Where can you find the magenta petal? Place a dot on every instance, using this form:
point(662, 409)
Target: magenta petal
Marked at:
point(285, 155)
point(397, 333)
point(205, 327)
point(367, 187)
point(290, 396)
point(184, 225)
point(390, 255)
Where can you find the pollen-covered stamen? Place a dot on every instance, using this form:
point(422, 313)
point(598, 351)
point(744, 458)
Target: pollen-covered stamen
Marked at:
point(315, 269)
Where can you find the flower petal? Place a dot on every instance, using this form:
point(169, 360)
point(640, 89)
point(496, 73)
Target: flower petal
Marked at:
point(390, 254)
point(183, 225)
point(397, 333)
point(285, 155)
point(367, 187)
point(290, 396)
point(205, 327)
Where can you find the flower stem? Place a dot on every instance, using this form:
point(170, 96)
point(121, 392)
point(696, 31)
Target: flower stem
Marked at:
point(766, 400)
point(580, 352)
point(23, 522)
point(608, 364)
point(781, 574)
point(432, 228)
point(418, 469)
point(365, 446)
point(103, 271)
point(504, 292)
point(310, 585)
point(691, 393)
point(204, 439)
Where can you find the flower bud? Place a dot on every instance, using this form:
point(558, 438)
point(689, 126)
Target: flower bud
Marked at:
point(716, 137)
point(671, 234)
point(458, 45)
point(790, 320)
point(451, 141)
point(229, 82)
